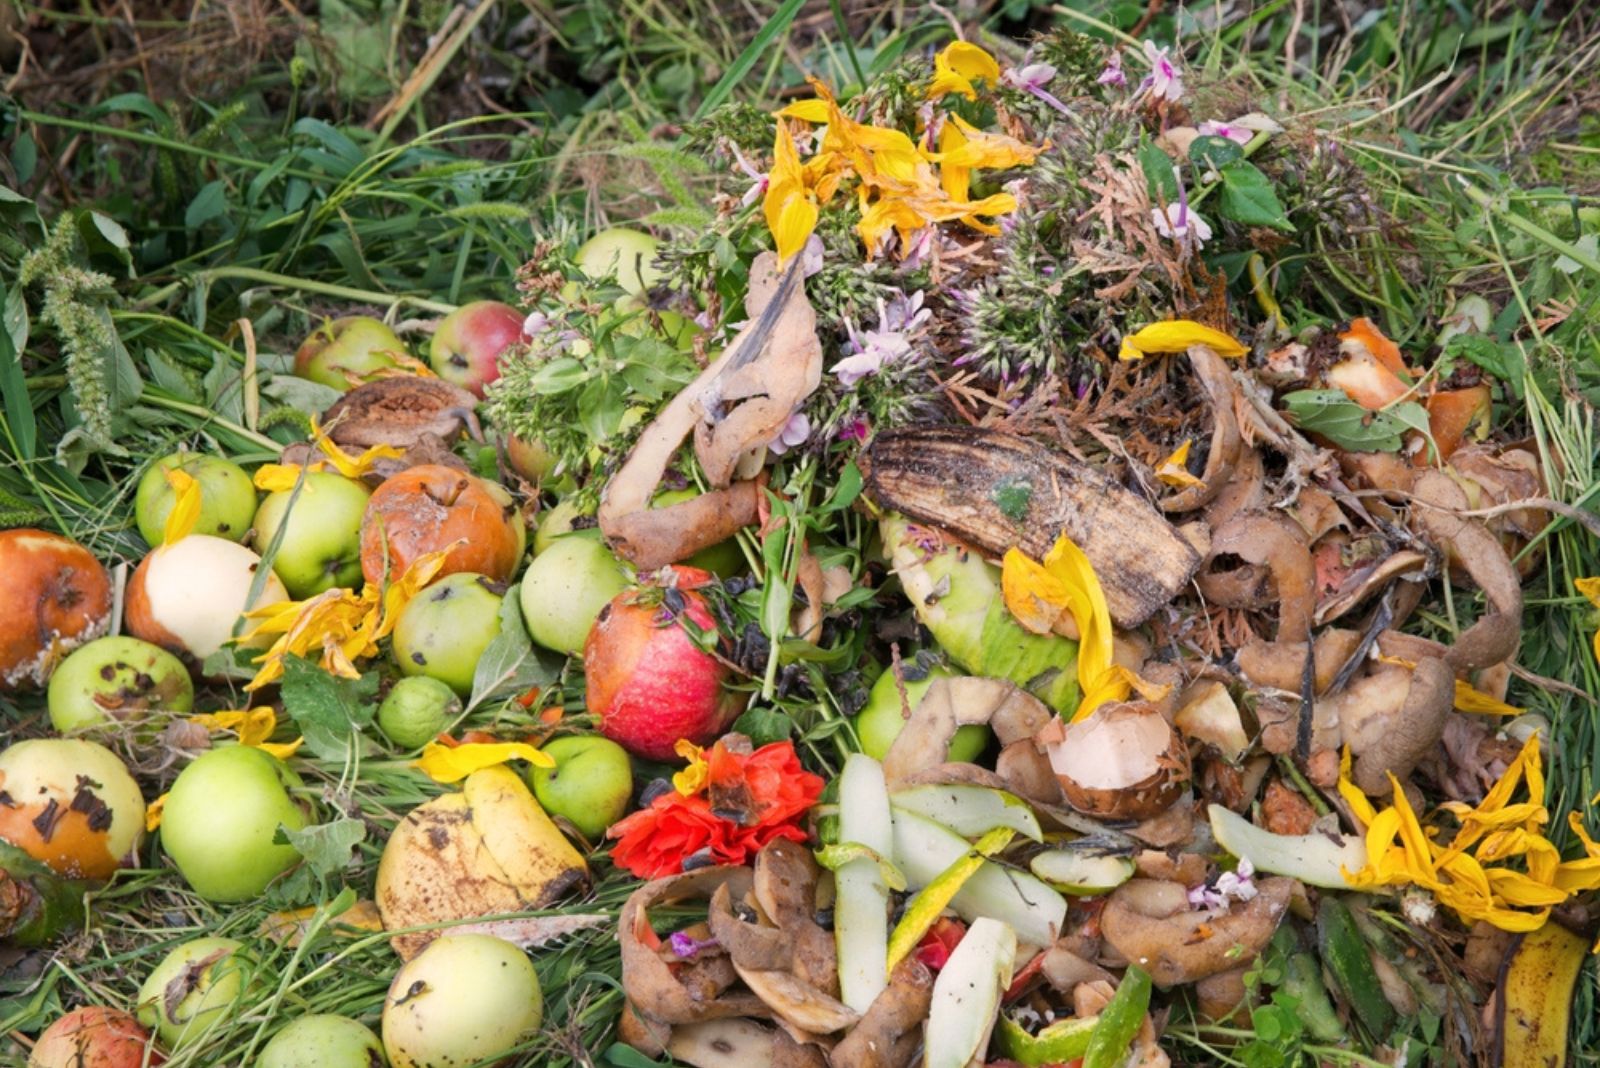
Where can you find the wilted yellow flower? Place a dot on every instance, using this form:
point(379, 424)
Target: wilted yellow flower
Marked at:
point(1178, 335)
point(1174, 470)
point(1590, 588)
point(692, 779)
point(338, 626)
point(790, 205)
point(185, 510)
point(958, 66)
point(1467, 874)
point(964, 148)
point(1065, 584)
point(254, 726)
point(271, 478)
point(445, 763)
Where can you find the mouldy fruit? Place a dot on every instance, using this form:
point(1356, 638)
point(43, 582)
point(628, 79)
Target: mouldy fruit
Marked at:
point(93, 1037)
point(187, 596)
point(461, 1001)
point(322, 1040)
point(321, 546)
point(193, 987)
point(227, 497)
point(648, 680)
point(71, 804)
point(55, 596)
point(221, 818)
point(443, 631)
point(431, 507)
point(113, 679)
point(342, 353)
point(468, 342)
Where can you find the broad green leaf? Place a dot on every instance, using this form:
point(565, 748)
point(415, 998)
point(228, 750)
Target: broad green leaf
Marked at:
point(1213, 151)
point(1159, 177)
point(210, 203)
point(1247, 197)
point(510, 664)
point(327, 847)
point(328, 711)
point(1335, 416)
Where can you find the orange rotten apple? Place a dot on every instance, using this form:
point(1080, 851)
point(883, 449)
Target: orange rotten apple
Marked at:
point(648, 680)
point(70, 804)
point(55, 597)
point(432, 507)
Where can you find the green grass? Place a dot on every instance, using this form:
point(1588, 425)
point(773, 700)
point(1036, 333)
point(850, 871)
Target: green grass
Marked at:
point(269, 200)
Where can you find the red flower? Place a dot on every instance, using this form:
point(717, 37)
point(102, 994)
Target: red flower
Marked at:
point(748, 799)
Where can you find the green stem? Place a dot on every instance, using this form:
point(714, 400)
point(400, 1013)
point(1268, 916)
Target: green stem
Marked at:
point(1532, 229)
point(304, 285)
point(149, 396)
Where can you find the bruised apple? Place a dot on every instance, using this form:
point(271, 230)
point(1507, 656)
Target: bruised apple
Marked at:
point(464, 1000)
point(443, 631)
point(55, 597)
point(227, 496)
point(186, 596)
point(321, 546)
point(194, 987)
point(342, 353)
point(322, 1040)
point(70, 804)
point(114, 679)
point(565, 588)
point(648, 680)
point(468, 342)
point(93, 1037)
point(432, 507)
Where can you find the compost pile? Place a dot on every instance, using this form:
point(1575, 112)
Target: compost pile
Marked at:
point(1024, 645)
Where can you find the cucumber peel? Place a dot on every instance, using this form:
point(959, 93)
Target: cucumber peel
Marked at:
point(862, 881)
point(970, 810)
point(1314, 859)
point(966, 996)
point(1061, 1041)
point(935, 897)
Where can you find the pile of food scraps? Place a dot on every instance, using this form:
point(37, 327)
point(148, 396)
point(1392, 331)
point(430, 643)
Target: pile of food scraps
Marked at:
point(966, 623)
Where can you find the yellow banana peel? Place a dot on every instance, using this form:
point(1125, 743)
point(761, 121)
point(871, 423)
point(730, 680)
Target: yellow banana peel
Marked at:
point(487, 850)
point(1536, 997)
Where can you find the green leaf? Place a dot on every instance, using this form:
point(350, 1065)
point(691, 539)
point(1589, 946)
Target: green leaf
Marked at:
point(327, 847)
point(13, 385)
point(210, 203)
point(558, 376)
point(1247, 197)
point(329, 711)
point(764, 726)
point(741, 67)
point(1159, 176)
point(510, 664)
point(1335, 416)
point(1213, 151)
point(845, 490)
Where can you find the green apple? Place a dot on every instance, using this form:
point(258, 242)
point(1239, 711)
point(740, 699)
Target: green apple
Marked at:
point(446, 628)
point(227, 497)
point(322, 1040)
point(321, 545)
point(464, 1000)
point(193, 987)
point(566, 586)
point(629, 254)
point(111, 679)
point(880, 722)
point(723, 559)
point(357, 344)
point(415, 710)
point(221, 817)
point(590, 784)
point(556, 522)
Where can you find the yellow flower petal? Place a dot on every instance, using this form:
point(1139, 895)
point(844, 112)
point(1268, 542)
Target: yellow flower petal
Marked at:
point(692, 779)
point(443, 763)
point(812, 111)
point(1178, 335)
point(185, 509)
point(1174, 469)
point(1034, 596)
point(347, 465)
point(968, 146)
point(152, 813)
point(958, 66)
point(790, 212)
point(275, 478)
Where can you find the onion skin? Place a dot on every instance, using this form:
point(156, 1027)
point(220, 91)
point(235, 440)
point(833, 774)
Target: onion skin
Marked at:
point(55, 597)
point(1143, 799)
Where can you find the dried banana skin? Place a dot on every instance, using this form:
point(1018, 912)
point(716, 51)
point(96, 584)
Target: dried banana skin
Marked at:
point(996, 490)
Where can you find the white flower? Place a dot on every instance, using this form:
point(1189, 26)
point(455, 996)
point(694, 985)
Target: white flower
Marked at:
point(1236, 885)
point(535, 324)
point(794, 432)
point(870, 350)
point(1232, 131)
point(1163, 81)
point(1181, 224)
point(811, 256)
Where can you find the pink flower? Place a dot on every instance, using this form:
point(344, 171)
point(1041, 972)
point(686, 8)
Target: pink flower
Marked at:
point(794, 432)
point(870, 350)
point(1236, 885)
point(1032, 79)
point(1237, 134)
point(1113, 74)
point(1163, 81)
point(1181, 224)
point(759, 189)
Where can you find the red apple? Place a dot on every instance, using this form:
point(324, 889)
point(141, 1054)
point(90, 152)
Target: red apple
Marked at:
point(468, 342)
point(93, 1037)
point(648, 680)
